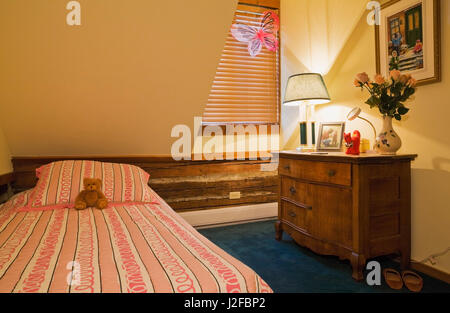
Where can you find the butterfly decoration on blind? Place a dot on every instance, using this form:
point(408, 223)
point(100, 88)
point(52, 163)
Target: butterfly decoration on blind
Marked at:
point(257, 37)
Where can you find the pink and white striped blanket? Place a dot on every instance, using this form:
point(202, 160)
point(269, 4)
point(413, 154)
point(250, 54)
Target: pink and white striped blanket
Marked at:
point(124, 248)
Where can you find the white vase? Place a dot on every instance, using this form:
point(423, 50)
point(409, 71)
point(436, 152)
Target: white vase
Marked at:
point(388, 141)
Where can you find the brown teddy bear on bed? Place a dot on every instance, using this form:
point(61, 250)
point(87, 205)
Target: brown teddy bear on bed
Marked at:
point(91, 196)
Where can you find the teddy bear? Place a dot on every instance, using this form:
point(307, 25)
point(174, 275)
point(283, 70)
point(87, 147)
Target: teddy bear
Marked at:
point(91, 196)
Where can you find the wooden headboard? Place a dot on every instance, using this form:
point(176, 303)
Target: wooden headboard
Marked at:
point(185, 185)
point(25, 167)
point(5, 188)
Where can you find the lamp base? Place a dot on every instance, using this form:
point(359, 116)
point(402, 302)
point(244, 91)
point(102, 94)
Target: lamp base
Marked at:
point(306, 149)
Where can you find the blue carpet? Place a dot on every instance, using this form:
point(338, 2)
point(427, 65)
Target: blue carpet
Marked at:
point(289, 268)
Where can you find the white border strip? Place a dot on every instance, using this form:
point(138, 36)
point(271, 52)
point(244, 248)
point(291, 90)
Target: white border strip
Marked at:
point(231, 215)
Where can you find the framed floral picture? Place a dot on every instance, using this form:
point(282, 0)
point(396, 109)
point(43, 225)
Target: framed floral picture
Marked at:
point(330, 136)
point(408, 39)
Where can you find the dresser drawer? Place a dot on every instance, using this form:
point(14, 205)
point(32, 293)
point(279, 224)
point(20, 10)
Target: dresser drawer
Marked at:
point(295, 191)
point(296, 215)
point(321, 172)
point(296, 203)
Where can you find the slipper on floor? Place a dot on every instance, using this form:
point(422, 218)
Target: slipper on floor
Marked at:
point(393, 278)
point(412, 281)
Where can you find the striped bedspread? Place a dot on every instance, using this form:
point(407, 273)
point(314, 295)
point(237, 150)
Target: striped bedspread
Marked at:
point(125, 248)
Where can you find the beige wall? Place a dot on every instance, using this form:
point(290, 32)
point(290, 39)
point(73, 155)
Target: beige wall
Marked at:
point(313, 36)
point(5, 156)
point(117, 84)
point(424, 132)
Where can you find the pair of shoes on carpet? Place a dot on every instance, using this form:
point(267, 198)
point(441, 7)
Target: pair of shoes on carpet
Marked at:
point(411, 280)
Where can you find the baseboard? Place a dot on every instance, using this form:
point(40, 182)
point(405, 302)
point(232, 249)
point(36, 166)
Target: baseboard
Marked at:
point(430, 271)
point(231, 215)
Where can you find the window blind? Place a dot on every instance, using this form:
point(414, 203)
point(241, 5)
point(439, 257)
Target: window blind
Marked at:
point(245, 89)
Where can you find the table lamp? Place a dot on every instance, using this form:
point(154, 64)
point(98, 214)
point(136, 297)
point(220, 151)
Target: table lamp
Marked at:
point(354, 114)
point(306, 90)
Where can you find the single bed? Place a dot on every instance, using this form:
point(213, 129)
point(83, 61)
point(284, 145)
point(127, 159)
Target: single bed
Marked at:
point(127, 247)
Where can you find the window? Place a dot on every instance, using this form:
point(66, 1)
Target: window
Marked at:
point(246, 89)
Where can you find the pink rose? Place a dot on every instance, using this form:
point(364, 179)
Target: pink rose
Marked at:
point(362, 77)
point(379, 79)
point(395, 74)
point(411, 83)
point(403, 79)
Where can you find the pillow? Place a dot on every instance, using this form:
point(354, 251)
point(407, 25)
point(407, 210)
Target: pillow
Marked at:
point(60, 182)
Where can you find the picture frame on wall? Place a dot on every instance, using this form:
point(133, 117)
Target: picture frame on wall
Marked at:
point(330, 137)
point(409, 39)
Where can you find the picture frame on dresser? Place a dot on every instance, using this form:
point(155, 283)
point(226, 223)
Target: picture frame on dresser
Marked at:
point(330, 137)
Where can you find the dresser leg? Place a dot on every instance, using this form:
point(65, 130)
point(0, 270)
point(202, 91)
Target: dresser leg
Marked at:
point(358, 262)
point(405, 260)
point(278, 231)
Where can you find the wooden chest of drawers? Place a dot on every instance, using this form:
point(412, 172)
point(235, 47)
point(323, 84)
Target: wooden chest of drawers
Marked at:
point(354, 207)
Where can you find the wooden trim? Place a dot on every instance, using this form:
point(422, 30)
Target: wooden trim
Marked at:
point(185, 185)
point(317, 183)
point(341, 157)
point(270, 4)
point(104, 158)
point(431, 271)
point(377, 49)
point(296, 203)
point(19, 160)
point(6, 179)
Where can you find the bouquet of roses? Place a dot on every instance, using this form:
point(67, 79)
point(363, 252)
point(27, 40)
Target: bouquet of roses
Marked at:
point(389, 95)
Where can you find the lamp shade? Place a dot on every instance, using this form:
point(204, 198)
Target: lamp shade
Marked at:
point(308, 87)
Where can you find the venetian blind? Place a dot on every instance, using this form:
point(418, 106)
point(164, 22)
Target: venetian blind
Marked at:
point(245, 88)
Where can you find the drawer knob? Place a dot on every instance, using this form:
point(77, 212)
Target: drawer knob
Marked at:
point(292, 190)
point(305, 206)
point(287, 167)
point(292, 214)
point(331, 173)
